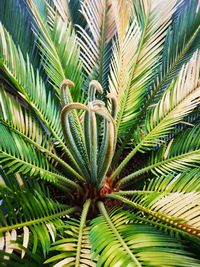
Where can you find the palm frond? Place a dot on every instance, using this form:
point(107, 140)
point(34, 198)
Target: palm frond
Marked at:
point(181, 42)
point(153, 22)
point(62, 7)
point(30, 215)
point(23, 123)
point(95, 39)
point(182, 203)
point(17, 155)
point(124, 55)
point(74, 247)
point(65, 197)
point(22, 120)
point(120, 242)
point(185, 182)
point(178, 210)
point(179, 155)
point(177, 102)
point(15, 10)
point(31, 87)
point(58, 44)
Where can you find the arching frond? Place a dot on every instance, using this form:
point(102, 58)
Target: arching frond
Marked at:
point(177, 102)
point(31, 87)
point(14, 10)
point(17, 155)
point(30, 215)
point(74, 247)
point(179, 155)
point(58, 44)
point(89, 178)
point(179, 205)
point(185, 182)
point(23, 123)
point(121, 242)
point(153, 22)
point(179, 211)
point(181, 42)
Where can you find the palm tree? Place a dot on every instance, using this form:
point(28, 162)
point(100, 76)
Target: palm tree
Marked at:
point(99, 133)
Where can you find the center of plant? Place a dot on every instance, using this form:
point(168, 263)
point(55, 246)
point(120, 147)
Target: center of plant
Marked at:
point(90, 135)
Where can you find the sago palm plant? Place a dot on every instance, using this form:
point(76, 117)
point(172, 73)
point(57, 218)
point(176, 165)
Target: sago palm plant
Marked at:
point(100, 133)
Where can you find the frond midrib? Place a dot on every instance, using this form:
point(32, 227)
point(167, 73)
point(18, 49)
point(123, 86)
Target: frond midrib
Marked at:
point(157, 164)
point(123, 105)
point(168, 219)
point(116, 233)
point(40, 220)
point(81, 228)
point(52, 174)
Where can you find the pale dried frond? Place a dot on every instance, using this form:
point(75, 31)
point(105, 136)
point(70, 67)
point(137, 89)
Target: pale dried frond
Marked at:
point(62, 8)
point(95, 38)
point(153, 18)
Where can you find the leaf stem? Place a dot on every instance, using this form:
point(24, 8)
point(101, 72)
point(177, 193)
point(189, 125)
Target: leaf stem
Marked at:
point(41, 171)
point(116, 233)
point(81, 228)
point(40, 220)
point(155, 165)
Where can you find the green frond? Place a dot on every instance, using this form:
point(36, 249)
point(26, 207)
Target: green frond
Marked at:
point(30, 215)
point(181, 42)
point(19, 156)
point(122, 66)
point(180, 199)
point(179, 155)
point(182, 207)
point(58, 43)
point(99, 133)
point(74, 246)
point(119, 241)
point(31, 87)
point(178, 101)
point(185, 182)
point(178, 211)
point(22, 121)
point(14, 10)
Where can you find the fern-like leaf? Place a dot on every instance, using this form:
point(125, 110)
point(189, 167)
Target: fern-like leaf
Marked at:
point(29, 215)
